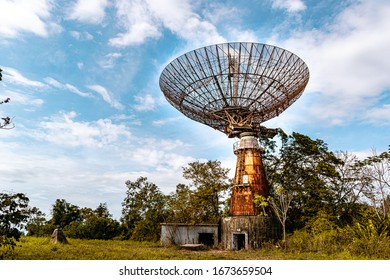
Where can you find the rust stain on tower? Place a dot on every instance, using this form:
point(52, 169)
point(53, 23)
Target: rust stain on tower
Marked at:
point(249, 178)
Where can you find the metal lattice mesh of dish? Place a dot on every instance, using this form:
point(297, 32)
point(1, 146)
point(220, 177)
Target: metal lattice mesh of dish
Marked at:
point(251, 80)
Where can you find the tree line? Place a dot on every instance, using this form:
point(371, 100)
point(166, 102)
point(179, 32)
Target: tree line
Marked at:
point(143, 209)
point(311, 189)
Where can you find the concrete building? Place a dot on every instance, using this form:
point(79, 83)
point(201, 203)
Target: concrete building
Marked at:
point(233, 233)
point(248, 232)
point(181, 234)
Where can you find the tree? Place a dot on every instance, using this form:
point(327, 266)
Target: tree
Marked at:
point(375, 182)
point(94, 224)
point(6, 122)
point(102, 211)
point(347, 189)
point(64, 213)
point(36, 225)
point(181, 205)
point(201, 201)
point(280, 204)
point(143, 209)
point(305, 167)
point(14, 212)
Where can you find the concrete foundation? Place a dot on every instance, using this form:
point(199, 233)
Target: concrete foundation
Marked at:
point(248, 232)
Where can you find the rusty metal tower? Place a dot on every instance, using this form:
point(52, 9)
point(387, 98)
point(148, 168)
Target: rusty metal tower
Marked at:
point(234, 88)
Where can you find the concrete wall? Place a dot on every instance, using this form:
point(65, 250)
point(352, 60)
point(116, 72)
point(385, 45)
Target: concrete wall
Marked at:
point(179, 234)
point(248, 232)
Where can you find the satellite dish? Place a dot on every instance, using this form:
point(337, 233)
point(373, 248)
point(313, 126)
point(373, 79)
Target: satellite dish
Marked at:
point(234, 87)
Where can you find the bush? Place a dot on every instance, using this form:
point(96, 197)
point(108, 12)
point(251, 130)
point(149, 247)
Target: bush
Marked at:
point(368, 240)
point(371, 239)
point(93, 228)
point(7, 246)
point(321, 235)
point(327, 242)
point(375, 248)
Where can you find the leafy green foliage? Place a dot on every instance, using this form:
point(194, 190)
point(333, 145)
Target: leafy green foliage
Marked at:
point(279, 203)
point(263, 203)
point(94, 224)
point(14, 212)
point(76, 222)
point(201, 201)
point(321, 235)
point(181, 206)
point(36, 224)
point(143, 209)
point(306, 168)
point(64, 213)
point(7, 247)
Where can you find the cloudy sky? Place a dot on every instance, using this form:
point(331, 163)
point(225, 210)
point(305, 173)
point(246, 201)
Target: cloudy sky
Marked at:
point(83, 77)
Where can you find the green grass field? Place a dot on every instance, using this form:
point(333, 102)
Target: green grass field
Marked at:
point(40, 248)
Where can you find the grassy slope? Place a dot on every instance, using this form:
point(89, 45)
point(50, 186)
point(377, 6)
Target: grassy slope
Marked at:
point(34, 248)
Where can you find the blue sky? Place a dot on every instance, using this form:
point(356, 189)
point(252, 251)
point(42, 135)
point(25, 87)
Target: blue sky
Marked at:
point(83, 76)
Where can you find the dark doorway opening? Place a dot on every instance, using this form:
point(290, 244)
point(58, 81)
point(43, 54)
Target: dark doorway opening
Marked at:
point(238, 241)
point(206, 239)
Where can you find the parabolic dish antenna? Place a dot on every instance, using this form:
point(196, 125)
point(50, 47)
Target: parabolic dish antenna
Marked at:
point(234, 87)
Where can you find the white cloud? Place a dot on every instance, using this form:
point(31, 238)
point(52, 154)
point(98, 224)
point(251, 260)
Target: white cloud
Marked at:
point(291, 6)
point(23, 99)
point(102, 91)
point(21, 16)
point(144, 20)
point(123, 117)
point(378, 116)
point(145, 103)
point(95, 176)
point(73, 89)
point(221, 14)
point(179, 17)
point(106, 96)
point(83, 181)
point(84, 36)
point(137, 20)
point(165, 121)
point(65, 131)
point(347, 63)
point(12, 75)
point(93, 163)
point(239, 35)
point(88, 11)
point(161, 154)
point(109, 60)
point(53, 82)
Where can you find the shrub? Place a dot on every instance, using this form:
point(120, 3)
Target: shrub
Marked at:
point(370, 239)
point(7, 246)
point(321, 235)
